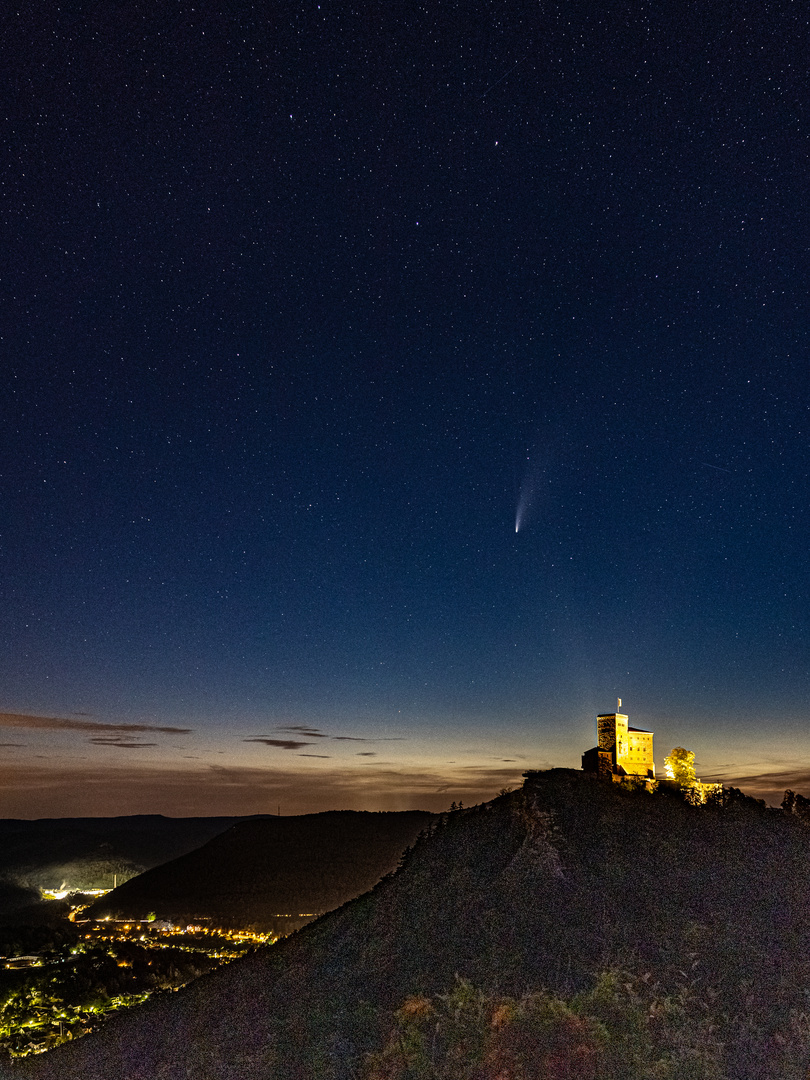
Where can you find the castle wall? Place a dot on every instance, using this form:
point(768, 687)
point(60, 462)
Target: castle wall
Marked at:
point(636, 756)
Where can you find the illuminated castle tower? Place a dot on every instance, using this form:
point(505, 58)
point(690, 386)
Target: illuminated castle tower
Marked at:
point(621, 750)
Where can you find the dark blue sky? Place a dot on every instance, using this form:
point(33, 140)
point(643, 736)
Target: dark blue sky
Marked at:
point(303, 304)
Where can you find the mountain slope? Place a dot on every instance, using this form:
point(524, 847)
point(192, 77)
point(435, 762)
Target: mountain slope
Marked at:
point(86, 853)
point(277, 865)
point(545, 886)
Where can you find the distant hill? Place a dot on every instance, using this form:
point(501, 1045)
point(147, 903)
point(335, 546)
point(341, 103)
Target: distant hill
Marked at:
point(15, 899)
point(88, 852)
point(260, 869)
point(707, 908)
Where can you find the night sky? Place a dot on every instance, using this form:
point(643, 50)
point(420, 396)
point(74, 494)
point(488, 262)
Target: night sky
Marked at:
point(388, 387)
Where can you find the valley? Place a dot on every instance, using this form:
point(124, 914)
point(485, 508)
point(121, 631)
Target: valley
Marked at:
point(71, 958)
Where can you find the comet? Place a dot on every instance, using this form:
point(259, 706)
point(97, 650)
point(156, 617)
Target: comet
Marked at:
point(534, 485)
point(525, 500)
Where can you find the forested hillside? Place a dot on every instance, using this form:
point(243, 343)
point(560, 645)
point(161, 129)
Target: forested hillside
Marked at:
point(261, 868)
point(672, 940)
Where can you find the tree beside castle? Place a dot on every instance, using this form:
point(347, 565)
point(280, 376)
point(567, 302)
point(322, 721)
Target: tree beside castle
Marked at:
point(679, 769)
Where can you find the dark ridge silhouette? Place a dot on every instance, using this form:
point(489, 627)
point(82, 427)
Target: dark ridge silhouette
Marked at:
point(87, 852)
point(543, 887)
point(15, 898)
point(259, 869)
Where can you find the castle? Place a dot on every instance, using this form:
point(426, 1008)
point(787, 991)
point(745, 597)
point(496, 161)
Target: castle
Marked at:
point(621, 750)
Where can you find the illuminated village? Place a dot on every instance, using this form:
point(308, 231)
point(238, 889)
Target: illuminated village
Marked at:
point(60, 1002)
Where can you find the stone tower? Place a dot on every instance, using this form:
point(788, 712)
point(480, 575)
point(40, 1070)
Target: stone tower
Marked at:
point(620, 750)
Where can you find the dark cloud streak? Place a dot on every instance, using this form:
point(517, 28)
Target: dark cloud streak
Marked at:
point(282, 744)
point(58, 723)
point(356, 738)
point(124, 744)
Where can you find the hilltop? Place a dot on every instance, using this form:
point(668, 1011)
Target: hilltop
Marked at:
point(704, 909)
point(272, 866)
